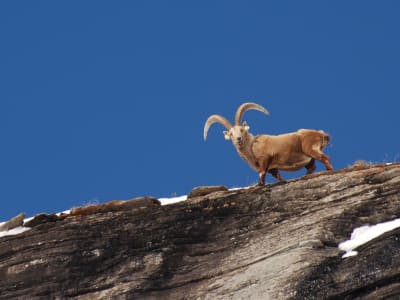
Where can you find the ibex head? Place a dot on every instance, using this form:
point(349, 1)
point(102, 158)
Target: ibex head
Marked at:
point(238, 134)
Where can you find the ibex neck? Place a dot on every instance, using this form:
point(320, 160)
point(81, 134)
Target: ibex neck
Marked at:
point(246, 152)
point(246, 146)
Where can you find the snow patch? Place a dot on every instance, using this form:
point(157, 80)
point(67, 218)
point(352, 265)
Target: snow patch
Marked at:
point(166, 201)
point(65, 212)
point(241, 188)
point(349, 254)
point(14, 231)
point(364, 234)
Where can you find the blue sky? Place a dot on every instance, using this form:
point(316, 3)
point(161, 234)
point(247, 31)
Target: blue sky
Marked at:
point(104, 100)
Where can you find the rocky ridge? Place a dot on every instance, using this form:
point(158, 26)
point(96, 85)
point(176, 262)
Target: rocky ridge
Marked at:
point(274, 242)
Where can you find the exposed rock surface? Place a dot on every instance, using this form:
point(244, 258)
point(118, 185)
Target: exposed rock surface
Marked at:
point(41, 219)
point(273, 242)
point(206, 190)
point(14, 222)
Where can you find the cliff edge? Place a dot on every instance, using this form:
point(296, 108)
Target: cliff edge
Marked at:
point(274, 242)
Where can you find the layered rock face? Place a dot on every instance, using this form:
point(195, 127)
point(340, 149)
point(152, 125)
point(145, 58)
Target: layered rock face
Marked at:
point(274, 242)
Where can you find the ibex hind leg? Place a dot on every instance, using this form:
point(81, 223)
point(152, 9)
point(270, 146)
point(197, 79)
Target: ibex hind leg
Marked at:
point(275, 173)
point(310, 167)
point(317, 154)
point(327, 162)
point(312, 144)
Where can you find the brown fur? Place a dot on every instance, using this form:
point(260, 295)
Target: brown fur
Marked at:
point(271, 153)
point(288, 152)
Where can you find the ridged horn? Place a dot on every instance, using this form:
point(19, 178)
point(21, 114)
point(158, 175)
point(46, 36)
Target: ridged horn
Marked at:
point(215, 119)
point(246, 106)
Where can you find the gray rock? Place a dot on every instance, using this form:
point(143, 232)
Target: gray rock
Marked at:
point(13, 223)
point(205, 190)
point(41, 219)
point(116, 205)
point(272, 242)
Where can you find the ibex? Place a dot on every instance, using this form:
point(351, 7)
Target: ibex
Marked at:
point(271, 153)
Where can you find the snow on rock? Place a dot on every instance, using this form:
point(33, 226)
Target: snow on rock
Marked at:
point(349, 254)
point(364, 234)
point(65, 212)
point(14, 231)
point(166, 201)
point(13, 226)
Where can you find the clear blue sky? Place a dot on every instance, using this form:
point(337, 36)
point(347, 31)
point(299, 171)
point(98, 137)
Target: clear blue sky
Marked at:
point(107, 100)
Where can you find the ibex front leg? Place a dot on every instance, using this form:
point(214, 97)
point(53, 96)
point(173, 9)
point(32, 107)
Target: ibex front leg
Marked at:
point(263, 171)
point(262, 178)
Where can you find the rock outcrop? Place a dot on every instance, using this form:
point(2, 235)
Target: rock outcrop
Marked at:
point(274, 242)
point(13, 223)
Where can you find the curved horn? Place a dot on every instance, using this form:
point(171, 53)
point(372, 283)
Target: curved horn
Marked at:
point(215, 119)
point(246, 106)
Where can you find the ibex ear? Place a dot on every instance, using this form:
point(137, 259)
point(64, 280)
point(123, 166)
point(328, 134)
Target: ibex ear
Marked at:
point(227, 136)
point(246, 126)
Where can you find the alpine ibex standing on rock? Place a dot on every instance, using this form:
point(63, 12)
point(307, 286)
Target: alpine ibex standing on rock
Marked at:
point(271, 153)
